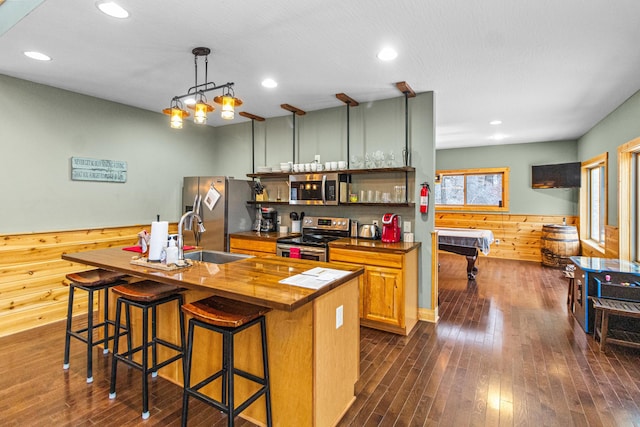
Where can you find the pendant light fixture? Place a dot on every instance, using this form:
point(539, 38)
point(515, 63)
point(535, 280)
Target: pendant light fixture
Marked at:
point(201, 107)
point(229, 103)
point(177, 113)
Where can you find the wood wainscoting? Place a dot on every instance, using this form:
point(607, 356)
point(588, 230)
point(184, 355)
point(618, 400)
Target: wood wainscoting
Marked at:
point(33, 287)
point(519, 235)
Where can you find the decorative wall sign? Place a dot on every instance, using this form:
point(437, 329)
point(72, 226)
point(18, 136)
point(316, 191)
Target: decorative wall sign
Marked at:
point(84, 169)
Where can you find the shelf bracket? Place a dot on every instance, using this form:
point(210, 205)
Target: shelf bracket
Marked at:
point(408, 93)
point(253, 118)
point(294, 111)
point(350, 103)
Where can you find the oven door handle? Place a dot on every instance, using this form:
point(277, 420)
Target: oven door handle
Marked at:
point(311, 250)
point(324, 184)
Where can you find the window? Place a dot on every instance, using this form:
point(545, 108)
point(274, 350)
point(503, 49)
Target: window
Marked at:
point(629, 200)
point(473, 189)
point(593, 201)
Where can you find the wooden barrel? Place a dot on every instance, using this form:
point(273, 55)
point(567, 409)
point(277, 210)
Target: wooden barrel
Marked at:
point(558, 243)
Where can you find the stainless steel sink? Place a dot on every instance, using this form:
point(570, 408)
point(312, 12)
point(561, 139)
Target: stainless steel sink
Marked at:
point(214, 257)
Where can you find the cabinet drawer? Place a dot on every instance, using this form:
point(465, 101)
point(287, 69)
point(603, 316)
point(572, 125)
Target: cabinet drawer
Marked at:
point(381, 259)
point(252, 245)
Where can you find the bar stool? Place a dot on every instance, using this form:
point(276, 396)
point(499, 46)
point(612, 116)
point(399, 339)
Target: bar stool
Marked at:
point(146, 295)
point(90, 281)
point(226, 317)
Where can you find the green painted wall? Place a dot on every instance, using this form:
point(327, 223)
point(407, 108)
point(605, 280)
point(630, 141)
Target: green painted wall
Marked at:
point(43, 127)
point(519, 158)
point(620, 126)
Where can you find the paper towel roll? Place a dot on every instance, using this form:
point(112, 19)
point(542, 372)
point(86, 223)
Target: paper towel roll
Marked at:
point(159, 236)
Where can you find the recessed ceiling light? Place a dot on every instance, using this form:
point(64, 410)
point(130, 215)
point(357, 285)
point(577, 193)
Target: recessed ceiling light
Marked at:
point(270, 83)
point(498, 137)
point(190, 101)
point(495, 122)
point(37, 55)
point(387, 54)
point(112, 9)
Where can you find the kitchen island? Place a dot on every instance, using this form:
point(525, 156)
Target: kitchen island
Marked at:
point(314, 360)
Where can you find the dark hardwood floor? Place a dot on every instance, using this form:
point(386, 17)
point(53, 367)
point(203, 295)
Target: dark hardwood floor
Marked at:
point(505, 352)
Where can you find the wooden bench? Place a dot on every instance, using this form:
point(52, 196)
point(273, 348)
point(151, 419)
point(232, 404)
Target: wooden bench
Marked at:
point(605, 307)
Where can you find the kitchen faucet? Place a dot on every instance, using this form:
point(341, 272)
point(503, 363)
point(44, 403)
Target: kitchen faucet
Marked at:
point(191, 215)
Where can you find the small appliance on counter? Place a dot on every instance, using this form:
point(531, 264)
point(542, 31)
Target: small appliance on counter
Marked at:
point(368, 231)
point(269, 220)
point(391, 228)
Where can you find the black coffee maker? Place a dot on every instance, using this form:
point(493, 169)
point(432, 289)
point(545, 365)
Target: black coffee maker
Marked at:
point(269, 220)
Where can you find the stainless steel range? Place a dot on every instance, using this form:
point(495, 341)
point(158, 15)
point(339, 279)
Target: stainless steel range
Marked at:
point(313, 244)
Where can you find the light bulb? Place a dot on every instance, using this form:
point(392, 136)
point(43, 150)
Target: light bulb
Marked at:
point(227, 108)
point(200, 116)
point(176, 118)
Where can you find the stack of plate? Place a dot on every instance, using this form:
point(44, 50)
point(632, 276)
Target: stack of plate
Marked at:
point(263, 169)
point(285, 167)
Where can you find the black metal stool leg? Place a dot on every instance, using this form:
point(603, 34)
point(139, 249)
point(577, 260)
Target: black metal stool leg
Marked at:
point(90, 338)
point(187, 374)
point(145, 362)
point(105, 320)
point(114, 360)
point(265, 367)
point(67, 338)
point(154, 347)
point(230, 368)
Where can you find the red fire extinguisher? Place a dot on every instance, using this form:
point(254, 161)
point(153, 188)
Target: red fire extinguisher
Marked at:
point(424, 198)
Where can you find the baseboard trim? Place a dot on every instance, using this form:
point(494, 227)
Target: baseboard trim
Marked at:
point(428, 315)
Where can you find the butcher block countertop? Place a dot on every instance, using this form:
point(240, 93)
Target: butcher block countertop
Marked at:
point(253, 280)
point(374, 245)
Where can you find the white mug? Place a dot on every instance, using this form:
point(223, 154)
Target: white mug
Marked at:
point(327, 166)
point(342, 164)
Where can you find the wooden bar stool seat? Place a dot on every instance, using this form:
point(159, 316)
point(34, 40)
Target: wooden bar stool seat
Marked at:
point(146, 295)
point(228, 318)
point(90, 281)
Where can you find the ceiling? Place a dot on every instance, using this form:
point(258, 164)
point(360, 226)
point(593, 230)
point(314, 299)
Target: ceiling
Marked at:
point(550, 70)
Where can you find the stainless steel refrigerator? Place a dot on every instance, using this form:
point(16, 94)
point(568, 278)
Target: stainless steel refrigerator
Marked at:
point(222, 204)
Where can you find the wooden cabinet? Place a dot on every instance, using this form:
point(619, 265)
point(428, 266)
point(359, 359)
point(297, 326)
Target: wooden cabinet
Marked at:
point(255, 247)
point(388, 288)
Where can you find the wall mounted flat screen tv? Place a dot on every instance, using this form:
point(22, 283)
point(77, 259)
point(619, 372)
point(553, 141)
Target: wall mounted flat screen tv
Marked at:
point(561, 175)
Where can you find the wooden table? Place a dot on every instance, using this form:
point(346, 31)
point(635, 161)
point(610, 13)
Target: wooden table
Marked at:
point(314, 363)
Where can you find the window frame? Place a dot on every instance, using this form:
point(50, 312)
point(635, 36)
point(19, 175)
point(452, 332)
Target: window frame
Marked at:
point(601, 160)
point(626, 198)
point(504, 171)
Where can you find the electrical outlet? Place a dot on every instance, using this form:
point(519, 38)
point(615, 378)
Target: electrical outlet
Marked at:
point(279, 219)
point(339, 316)
point(375, 222)
point(316, 158)
point(407, 227)
point(497, 241)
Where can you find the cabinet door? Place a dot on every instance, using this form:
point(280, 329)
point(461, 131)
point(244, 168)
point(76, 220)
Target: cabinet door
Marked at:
point(382, 296)
point(252, 246)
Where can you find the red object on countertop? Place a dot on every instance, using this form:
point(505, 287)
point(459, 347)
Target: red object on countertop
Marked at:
point(139, 249)
point(391, 228)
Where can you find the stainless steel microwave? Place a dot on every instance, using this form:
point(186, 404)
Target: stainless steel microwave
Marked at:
point(314, 189)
